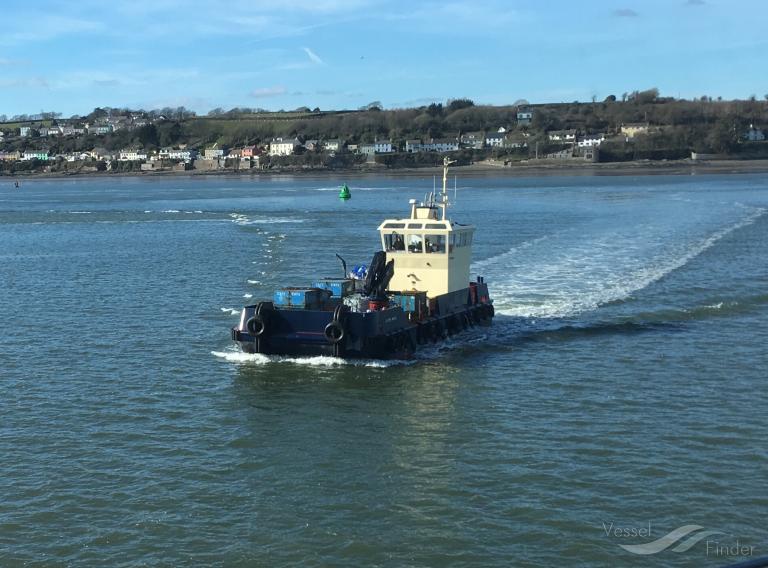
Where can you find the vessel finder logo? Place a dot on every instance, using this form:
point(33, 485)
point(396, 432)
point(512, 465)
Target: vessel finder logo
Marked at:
point(679, 540)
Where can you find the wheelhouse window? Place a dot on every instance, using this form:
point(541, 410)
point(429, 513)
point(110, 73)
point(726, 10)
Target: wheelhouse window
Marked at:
point(415, 244)
point(394, 242)
point(434, 243)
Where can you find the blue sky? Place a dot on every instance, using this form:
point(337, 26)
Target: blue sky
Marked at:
point(71, 56)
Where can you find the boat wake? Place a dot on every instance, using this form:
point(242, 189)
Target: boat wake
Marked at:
point(239, 357)
point(245, 220)
point(559, 276)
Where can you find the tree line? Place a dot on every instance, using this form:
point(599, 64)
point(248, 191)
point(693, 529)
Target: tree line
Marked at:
point(704, 124)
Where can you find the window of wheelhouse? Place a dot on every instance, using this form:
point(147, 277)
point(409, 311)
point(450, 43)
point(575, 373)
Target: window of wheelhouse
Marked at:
point(394, 242)
point(434, 243)
point(415, 244)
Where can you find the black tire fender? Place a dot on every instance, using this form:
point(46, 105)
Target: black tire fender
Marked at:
point(334, 332)
point(256, 325)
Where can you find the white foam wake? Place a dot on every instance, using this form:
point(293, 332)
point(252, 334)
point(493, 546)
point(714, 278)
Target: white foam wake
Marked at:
point(245, 220)
point(499, 259)
point(571, 276)
point(317, 361)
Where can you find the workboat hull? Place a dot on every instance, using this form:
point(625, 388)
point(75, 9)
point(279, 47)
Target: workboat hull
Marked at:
point(389, 333)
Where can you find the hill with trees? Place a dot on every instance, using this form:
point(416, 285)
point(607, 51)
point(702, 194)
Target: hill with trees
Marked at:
point(680, 127)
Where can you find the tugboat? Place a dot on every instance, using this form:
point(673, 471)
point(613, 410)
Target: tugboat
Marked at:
point(416, 291)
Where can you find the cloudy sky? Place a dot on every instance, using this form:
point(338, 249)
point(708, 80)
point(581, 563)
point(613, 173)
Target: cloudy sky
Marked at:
point(71, 56)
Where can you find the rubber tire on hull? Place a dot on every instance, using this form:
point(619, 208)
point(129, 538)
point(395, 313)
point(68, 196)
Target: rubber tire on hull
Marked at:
point(334, 332)
point(257, 324)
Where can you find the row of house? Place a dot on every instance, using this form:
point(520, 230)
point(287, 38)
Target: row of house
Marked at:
point(24, 156)
point(249, 155)
point(101, 128)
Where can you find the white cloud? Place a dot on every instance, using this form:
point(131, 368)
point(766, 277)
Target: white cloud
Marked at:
point(440, 17)
point(313, 57)
point(267, 92)
point(47, 27)
point(34, 82)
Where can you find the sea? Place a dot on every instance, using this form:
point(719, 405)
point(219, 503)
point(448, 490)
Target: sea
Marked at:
point(615, 414)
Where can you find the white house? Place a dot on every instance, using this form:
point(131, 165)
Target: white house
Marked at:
point(280, 147)
point(524, 117)
point(441, 145)
point(367, 149)
point(382, 147)
point(474, 140)
point(434, 145)
point(334, 145)
point(131, 155)
point(35, 155)
point(494, 140)
point(412, 146)
point(100, 129)
point(175, 154)
point(515, 141)
point(591, 140)
point(25, 131)
point(754, 134)
point(562, 135)
point(213, 153)
point(77, 156)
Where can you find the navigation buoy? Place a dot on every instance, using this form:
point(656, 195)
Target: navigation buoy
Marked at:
point(345, 193)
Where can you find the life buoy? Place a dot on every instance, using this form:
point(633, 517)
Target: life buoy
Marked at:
point(334, 331)
point(256, 325)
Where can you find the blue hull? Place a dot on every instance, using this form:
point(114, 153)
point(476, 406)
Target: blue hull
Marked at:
point(390, 333)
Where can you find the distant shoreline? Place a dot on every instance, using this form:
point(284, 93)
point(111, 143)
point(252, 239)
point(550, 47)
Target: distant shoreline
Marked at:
point(550, 168)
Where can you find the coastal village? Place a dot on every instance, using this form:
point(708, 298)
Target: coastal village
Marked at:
point(28, 146)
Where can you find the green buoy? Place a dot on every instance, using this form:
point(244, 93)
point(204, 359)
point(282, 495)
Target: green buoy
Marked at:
point(345, 193)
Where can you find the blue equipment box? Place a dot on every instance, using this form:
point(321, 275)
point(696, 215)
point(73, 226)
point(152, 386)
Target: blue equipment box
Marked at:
point(300, 298)
point(339, 287)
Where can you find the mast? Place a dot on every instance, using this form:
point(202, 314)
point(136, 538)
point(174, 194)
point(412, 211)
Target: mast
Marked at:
point(444, 200)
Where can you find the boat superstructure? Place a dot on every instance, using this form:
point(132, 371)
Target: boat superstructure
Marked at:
point(415, 291)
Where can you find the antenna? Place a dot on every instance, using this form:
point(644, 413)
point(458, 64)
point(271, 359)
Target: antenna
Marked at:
point(444, 201)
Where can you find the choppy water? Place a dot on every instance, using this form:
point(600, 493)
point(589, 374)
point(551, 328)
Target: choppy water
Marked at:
point(623, 382)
